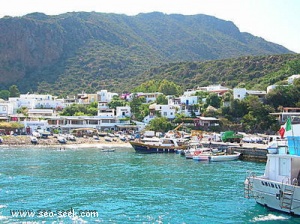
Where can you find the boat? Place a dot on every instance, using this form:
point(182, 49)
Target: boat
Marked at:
point(61, 139)
point(196, 149)
point(164, 145)
point(96, 137)
point(278, 188)
point(218, 157)
point(277, 145)
point(33, 140)
point(205, 156)
point(108, 139)
point(71, 137)
point(107, 150)
point(214, 156)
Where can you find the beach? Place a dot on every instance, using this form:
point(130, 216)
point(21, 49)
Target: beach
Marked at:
point(25, 140)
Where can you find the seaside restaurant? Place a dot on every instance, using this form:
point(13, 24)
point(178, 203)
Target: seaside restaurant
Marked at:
point(65, 124)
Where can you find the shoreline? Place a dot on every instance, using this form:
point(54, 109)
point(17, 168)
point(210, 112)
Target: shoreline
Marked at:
point(25, 141)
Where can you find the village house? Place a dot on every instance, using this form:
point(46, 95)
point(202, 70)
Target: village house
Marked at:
point(206, 122)
point(241, 93)
point(218, 89)
point(6, 108)
point(149, 97)
point(32, 101)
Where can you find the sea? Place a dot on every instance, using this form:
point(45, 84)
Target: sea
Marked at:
point(87, 185)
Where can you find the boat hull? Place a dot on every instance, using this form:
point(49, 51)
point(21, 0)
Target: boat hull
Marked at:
point(201, 158)
point(268, 193)
point(219, 158)
point(146, 148)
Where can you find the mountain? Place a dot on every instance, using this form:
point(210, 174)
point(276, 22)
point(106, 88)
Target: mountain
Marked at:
point(81, 51)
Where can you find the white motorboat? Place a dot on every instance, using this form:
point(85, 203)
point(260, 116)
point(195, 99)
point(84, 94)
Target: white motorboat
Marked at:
point(33, 140)
point(218, 157)
point(277, 145)
point(108, 139)
point(62, 139)
point(278, 188)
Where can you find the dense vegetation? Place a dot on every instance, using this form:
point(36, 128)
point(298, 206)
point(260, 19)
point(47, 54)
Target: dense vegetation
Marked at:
point(75, 52)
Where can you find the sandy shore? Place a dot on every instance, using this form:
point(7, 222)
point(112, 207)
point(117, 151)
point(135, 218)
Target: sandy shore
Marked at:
point(51, 141)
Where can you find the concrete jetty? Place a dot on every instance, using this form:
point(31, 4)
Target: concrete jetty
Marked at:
point(249, 151)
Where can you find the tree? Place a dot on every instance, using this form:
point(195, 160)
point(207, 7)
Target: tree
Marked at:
point(135, 104)
point(213, 100)
point(116, 102)
point(161, 99)
point(4, 94)
point(169, 88)
point(160, 124)
point(23, 110)
point(258, 118)
point(14, 91)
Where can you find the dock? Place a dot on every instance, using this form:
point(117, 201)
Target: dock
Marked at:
point(249, 151)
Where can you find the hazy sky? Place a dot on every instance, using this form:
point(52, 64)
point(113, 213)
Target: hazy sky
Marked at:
point(277, 21)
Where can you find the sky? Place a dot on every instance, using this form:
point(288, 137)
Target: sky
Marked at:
point(277, 21)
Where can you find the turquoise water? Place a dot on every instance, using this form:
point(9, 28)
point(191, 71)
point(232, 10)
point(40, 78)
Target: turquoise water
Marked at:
point(125, 187)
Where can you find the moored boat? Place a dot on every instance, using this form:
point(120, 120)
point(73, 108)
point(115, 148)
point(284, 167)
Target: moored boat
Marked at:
point(62, 139)
point(164, 145)
point(107, 150)
point(196, 149)
point(33, 140)
point(279, 187)
point(218, 157)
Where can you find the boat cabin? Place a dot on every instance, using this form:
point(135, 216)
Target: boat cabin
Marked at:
point(283, 168)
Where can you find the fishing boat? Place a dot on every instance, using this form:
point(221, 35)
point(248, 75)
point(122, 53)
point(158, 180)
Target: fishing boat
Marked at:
point(278, 188)
point(216, 156)
point(164, 145)
point(196, 149)
point(219, 157)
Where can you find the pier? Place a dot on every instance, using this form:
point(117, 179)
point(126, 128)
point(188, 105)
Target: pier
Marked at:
point(249, 151)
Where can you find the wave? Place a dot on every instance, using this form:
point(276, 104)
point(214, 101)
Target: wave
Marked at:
point(269, 217)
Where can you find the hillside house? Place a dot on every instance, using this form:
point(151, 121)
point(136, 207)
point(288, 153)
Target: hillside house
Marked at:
point(150, 97)
point(33, 101)
point(6, 109)
point(241, 93)
point(292, 78)
point(218, 89)
point(206, 121)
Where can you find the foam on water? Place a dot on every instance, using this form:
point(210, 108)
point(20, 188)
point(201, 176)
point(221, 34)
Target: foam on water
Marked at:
point(269, 217)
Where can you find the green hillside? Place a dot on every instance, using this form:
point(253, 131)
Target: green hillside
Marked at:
point(80, 51)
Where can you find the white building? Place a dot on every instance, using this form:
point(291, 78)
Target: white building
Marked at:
point(41, 112)
point(168, 111)
point(6, 108)
point(292, 78)
point(218, 89)
point(241, 93)
point(105, 96)
point(150, 97)
point(122, 112)
point(32, 101)
point(189, 100)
